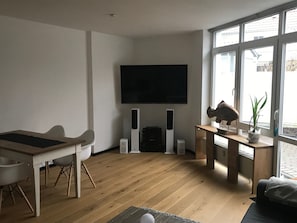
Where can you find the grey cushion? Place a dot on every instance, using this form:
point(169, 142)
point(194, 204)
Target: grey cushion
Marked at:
point(283, 191)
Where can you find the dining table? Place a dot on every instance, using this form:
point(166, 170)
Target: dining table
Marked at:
point(34, 149)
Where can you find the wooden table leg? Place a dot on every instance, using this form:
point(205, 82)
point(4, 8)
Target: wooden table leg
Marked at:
point(263, 160)
point(233, 161)
point(200, 136)
point(210, 150)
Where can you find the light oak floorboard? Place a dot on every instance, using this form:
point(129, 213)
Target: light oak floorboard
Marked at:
point(176, 184)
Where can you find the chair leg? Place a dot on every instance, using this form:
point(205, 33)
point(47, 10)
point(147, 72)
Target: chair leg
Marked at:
point(60, 173)
point(1, 195)
point(25, 197)
point(11, 193)
point(88, 173)
point(69, 181)
point(46, 174)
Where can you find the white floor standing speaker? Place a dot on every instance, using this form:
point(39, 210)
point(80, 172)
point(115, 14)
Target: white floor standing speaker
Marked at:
point(181, 147)
point(170, 132)
point(123, 145)
point(135, 112)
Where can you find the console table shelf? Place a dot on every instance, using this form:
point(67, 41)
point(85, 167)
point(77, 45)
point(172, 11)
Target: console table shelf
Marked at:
point(262, 159)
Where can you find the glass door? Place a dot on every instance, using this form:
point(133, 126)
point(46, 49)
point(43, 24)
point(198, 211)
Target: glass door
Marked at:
point(257, 75)
point(287, 130)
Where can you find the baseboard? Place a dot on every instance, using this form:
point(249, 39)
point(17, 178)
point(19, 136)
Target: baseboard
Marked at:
point(106, 150)
point(118, 148)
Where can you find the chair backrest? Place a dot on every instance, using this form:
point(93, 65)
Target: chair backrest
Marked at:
point(56, 131)
point(89, 140)
point(11, 171)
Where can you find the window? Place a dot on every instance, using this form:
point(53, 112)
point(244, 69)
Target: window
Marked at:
point(291, 21)
point(256, 81)
point(227, 36)
point(261, 28)
point(251, 57)
point(224, 73)
point(289, 117)
point(288, 160)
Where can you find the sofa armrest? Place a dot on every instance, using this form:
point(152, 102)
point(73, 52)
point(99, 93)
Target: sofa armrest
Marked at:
point(263, 200)
point(261, 188)
point(282, 191)
point(265, 210)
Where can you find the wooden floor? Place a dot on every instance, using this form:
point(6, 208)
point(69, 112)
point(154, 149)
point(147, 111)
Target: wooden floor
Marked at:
point(179, 185)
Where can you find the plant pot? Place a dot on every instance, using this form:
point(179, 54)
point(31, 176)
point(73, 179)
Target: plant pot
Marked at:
point(253, 137)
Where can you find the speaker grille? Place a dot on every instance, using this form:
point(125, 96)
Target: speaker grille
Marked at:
point(134, 119)
point(124, 146)
point(170, 119)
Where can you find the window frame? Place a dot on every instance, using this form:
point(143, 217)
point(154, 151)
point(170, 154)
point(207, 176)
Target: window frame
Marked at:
point(278, 42)
point(240, 47)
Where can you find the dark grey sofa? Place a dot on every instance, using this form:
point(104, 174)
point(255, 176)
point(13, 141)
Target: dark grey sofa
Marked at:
point(265, 209)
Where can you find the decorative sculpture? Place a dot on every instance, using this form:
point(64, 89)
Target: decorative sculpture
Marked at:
point(223, 112)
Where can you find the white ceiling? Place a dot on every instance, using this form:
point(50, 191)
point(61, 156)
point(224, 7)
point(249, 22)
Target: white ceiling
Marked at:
point(135, 18)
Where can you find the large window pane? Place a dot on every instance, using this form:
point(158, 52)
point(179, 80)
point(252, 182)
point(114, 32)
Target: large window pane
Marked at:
point(227, 36)
point(288, 160)
point(261, 28)
point(256, 80)
point(289, 118)
point(224, 77)
point(291, 21)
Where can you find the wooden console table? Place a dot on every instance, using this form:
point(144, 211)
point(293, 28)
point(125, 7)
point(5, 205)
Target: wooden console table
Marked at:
point(262, 160)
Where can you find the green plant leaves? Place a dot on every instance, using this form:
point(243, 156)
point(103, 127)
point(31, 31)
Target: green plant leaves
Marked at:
point(257, 106)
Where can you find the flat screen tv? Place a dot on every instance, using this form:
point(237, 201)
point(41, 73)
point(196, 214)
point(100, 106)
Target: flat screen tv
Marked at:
point(154, 84)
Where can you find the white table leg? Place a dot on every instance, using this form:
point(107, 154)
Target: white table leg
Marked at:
point(77, 168)
point(36, 189)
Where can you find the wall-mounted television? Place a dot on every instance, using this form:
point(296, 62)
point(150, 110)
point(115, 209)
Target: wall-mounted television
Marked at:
point(154, 84)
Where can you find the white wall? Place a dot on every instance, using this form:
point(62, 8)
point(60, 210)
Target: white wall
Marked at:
point(108, 52)
point(53, 75)
point(202, 50)
point(42, 77)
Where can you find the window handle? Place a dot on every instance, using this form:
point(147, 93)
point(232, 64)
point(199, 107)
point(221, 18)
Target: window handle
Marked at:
point(275, 116)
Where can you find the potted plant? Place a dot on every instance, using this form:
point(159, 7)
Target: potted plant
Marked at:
point(257, 106)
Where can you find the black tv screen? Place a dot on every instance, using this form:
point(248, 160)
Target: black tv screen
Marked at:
point(160, 84)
